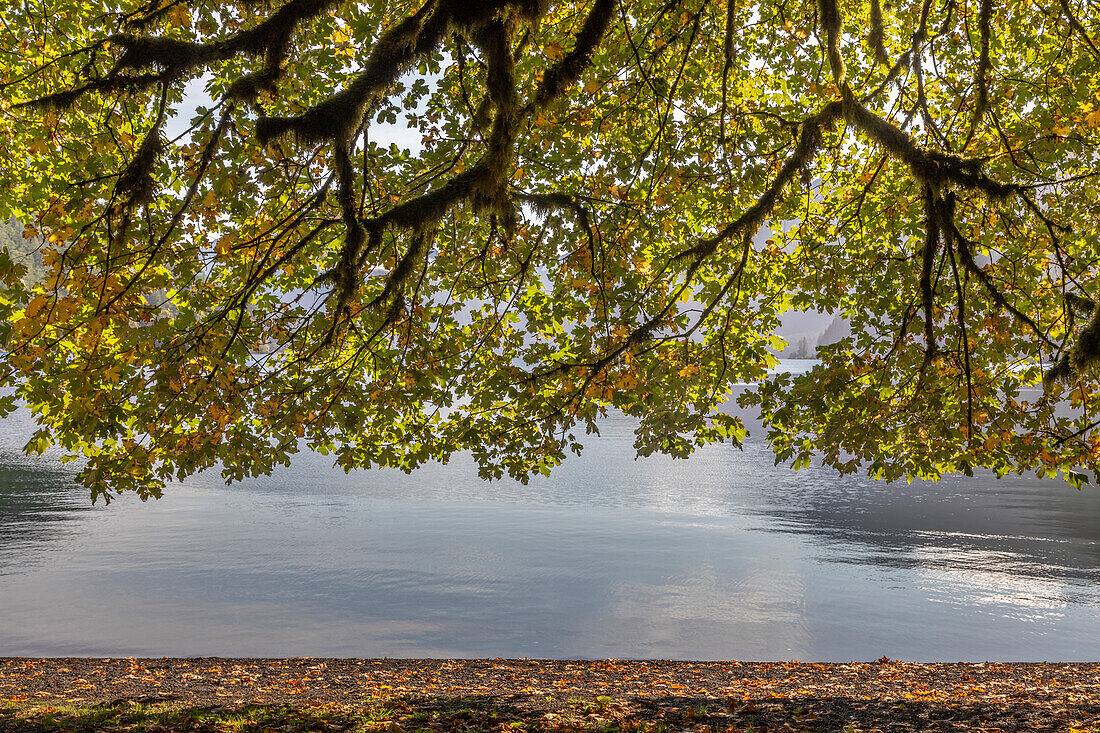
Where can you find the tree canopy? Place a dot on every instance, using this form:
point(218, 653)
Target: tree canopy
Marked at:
point(607, 204)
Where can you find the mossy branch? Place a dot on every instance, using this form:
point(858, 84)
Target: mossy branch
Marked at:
point(832, 24)
point(484, 184)
point(809, 142)
point(981, 74)
point(566, 72)
point(175, 58)
point(928, 259)
point(1079, 29)
point(338, 116)
point(270, 37)
point(930, 166)
point(124, 83)
point(877, 34)
point(546, 203)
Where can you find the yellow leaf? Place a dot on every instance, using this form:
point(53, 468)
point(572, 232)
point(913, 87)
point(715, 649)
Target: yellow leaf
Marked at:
point(180, 15)
point(626, 381)
point(36, 305)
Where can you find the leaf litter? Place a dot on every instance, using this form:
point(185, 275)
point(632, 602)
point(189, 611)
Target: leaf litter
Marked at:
point(404, 695)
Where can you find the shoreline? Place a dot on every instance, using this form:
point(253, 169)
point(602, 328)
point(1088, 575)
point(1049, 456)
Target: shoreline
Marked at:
point(856, 696)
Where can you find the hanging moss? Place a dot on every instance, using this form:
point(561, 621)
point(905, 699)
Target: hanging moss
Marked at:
point(1080, 304)
point(136, 184)
point(336, 117)
point(1084, 354)
point(809, 142)
point(933, 225)
point(60, 101)
point(548, 203)
point(250, 86)
point(831, 24)
point(567, 71)
point(393, 289)
point(57, 102)
point(933, 167)
point(332, 120)
point(877, 35)
point(164, 53)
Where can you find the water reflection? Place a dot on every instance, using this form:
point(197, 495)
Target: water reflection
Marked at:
point(1036, 528)
point(38, 500)
point(722, 556)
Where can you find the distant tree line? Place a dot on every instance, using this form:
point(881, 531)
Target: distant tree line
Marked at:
point(838, 329)
point(23, 251)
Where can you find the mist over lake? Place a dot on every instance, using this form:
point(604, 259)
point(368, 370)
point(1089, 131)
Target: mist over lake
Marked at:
point(723, 556)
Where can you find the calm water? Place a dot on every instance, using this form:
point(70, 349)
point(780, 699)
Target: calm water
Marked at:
point(719, 557)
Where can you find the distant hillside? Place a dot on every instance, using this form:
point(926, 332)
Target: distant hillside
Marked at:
point(837, 330)
point(27, 252)
point(804, 331)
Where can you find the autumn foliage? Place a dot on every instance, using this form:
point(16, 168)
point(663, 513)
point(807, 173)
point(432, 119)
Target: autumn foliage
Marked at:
point(606, 204)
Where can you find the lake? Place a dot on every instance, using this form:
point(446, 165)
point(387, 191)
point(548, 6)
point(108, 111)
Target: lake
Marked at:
point(722, 556)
